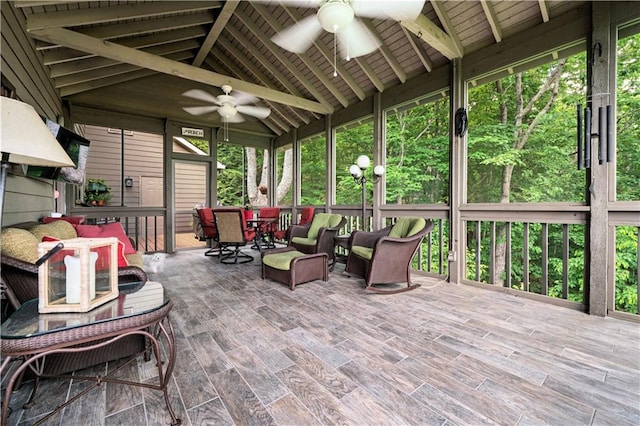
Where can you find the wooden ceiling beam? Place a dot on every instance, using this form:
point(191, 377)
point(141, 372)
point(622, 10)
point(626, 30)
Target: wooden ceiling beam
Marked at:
point(277, 52)
point(166, 37)
point(370, 73)
point(328, 55)
point(492, 18)
point(319, 74)
point(119, 12)
point(387, 54)
point(109, 81)
point(544, 10)
point(120, 53)
point(138, 28)
point(257, 56)
point(431, 34)
point(114, 69)
point(217, 27)
point(420, 51)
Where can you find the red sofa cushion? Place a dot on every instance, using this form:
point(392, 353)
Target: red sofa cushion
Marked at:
point(103, 231)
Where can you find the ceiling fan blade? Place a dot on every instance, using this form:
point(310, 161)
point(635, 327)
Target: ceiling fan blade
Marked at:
point(255, 111)
point(200, 110)
point(242, 98)
point(201, 95)
point(356, 40)
point(400, 10)
point(299, 37)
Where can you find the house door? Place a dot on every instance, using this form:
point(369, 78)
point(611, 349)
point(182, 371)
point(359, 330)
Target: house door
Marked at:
point(190, 191)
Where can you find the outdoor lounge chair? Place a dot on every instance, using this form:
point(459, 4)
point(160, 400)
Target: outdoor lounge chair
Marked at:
point(232, 235)
point(317, 236)
point(384, 256)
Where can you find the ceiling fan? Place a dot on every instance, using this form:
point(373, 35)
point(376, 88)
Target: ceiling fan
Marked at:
point(340, 17)
point(230, 107)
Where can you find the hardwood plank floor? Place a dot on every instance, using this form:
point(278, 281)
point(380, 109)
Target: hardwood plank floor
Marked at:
point(252, 352)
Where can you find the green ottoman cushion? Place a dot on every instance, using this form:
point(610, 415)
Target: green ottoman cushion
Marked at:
point(281, 261)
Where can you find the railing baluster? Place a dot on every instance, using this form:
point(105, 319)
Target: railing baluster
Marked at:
point(525, 257)
point(565, 261)
point(507, 258)
point(545, 259)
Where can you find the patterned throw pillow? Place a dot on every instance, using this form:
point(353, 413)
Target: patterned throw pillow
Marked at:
point(20, 244)
point(59, 229)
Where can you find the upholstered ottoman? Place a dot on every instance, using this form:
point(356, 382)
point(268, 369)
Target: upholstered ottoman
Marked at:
point(289, 266)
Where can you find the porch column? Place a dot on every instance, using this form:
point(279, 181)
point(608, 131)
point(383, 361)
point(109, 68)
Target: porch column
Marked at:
point(457, 177)
point(599, 51)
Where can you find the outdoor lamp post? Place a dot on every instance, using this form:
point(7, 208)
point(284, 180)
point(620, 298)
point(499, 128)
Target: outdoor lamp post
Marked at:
point(357, 171)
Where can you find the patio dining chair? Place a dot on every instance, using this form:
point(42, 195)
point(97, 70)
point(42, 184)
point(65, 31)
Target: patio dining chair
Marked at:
point(208, 232)
point(306, 216)
point(232, 235)
point(384, 256)
point(268, 229)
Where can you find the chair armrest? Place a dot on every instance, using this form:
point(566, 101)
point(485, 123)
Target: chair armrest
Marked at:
point(130, 274)
point(299, 230)
point(368, 239)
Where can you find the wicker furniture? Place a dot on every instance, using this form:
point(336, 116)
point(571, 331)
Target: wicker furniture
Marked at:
point(289, 266)
point(141, 315)
point(317, 236)
point(232, 235)
point(20, 251)
point(384, 256)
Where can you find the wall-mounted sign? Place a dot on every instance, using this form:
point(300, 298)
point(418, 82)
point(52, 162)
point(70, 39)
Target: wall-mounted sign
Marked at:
point(197, 133)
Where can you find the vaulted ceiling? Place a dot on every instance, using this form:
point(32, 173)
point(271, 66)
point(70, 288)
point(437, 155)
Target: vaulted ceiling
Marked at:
point(140, 56)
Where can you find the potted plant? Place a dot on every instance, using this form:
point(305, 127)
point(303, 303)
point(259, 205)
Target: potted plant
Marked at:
point(96, 192)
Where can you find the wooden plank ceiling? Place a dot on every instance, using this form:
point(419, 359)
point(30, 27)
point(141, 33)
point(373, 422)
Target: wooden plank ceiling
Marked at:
point(140, 56)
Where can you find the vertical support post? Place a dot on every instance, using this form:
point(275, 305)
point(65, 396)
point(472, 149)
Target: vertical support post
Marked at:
point(600, 53)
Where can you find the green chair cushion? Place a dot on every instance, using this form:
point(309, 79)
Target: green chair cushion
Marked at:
point(58, 229)
point(281, 261)
point(323, 220)
point(363, 252)
point(304, 241)
point(407, 226)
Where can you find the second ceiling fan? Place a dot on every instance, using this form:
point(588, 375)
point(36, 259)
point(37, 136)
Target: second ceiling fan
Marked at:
point(230, 107)
point(340, 17)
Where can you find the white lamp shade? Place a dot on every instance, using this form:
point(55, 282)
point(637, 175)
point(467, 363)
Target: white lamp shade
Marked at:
point(355, 171)
point(378, 170)
point(27, 139)
point(363, 162)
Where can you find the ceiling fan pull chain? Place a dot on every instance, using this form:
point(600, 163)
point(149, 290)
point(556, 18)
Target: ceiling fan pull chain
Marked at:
point(335, 55)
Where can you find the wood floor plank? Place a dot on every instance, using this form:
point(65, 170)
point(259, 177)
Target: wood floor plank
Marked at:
point(131, 416)
point(264, 384)
point(324, 406)
point(243, 405)
point(208, 354)
point(391, 397)
point(288, 410)
point(210, 413)
point(334, 382)
point(327, 353)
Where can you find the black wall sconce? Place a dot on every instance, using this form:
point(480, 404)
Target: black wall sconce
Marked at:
point(128, 182)
point(604, 135)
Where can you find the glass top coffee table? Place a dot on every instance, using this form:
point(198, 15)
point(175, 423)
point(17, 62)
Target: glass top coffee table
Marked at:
point(31, 337)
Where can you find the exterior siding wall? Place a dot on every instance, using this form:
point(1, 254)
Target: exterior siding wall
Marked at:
point(26, 199)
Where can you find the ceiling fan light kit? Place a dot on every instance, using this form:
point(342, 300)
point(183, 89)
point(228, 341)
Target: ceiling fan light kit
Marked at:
point(335, 15)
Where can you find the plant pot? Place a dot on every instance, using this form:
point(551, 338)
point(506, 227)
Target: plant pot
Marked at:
point(101, 202)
